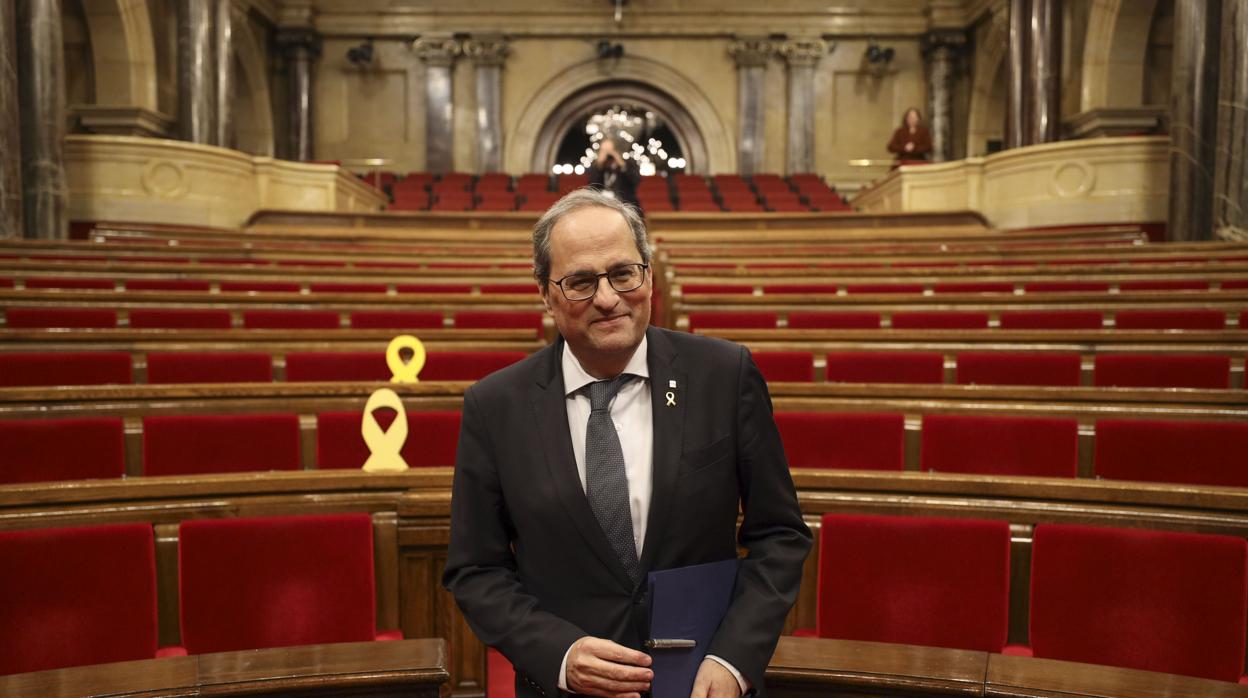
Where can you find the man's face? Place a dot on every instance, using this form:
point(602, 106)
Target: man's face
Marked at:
point(609, 326)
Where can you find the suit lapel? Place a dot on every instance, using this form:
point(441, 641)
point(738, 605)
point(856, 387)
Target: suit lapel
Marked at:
point(550, 407)
point(668, 416)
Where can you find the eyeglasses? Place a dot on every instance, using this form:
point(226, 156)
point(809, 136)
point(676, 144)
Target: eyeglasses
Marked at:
point(582, 286)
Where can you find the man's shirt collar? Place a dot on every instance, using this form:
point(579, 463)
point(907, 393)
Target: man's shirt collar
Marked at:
point(575, 377)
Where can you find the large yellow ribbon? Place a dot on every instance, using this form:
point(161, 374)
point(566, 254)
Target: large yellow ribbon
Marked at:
point(384, 446)
point(405, 371)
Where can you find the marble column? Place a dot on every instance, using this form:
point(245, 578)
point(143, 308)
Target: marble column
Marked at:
point(439, 54)
point(1230, 202)
point(1193, 118)
point(751, 56)
point(1017, 90)
point(197, 69)
point(941, 49)
point(223, 47)
point(41, 96)
point(301, 47)
point(488, 55)
point(802, 55)
point(10, 127)
point(1044, 48)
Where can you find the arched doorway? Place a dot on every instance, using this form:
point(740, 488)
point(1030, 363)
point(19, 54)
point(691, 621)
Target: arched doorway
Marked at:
point(669, 139)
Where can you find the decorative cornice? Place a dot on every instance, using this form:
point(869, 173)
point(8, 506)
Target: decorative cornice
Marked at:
point(438, 51)
point(292, 39)
point(751, 52)
point(952, 39)
point(492, 51)
point(804, 51)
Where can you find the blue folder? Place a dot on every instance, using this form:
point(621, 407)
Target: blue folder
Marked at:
point(686, 603)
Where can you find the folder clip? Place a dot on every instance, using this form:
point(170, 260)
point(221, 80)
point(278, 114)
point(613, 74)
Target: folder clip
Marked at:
point(665, 644)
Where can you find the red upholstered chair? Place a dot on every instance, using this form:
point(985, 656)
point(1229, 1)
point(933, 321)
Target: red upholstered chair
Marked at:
point(499, 319)
point(209, 367)
point(76, 596)
point(744, 289)
point(42, 450)
point(73, 283)
point(773, 289)
point(1170, 319)
point(782, 366)
point(1194, 453)
point(729, 320)
point(527, 289)
point(885, 367)
point(1051, 320)
point(834, 320)
point(431, 441)
point(276, 582)
point(843, 440)
point(76, 318)
point(973, 288)
point(1163, 371)
point(396, 319)
point(1152, 600)
point(6, 283)
point(991, 445)
point(466, 365)
point(1164, 285)
point(200, 285)
point(914, 580)
point(932, 320)
point(434, 288)
point(1234, 284)
point(884, 288)
point(357, 366)
point(179, 319)
point(64, 368)
point(259, 287)
point(330, 287)
point(311, 263)
point(1066, 287)
point(208, 443)
point(1018, 368)
point(291, 320)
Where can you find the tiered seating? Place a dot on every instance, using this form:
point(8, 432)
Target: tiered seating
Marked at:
point(817, 193)
point(736, 194)
point(654, 194)
point(693, 194)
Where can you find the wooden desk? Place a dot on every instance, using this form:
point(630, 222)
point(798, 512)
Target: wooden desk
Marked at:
point(406, 667)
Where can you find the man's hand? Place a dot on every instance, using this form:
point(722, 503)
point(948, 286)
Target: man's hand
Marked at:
point(599, 667)
point(715, 681)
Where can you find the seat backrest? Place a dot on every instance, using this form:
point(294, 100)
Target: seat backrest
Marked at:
point(74, 318)
point(362, 366)
point(834, 320)
point(398, 319)
point(1163, 371)
point(1191, 319)
point(914, 580)
point(467, 365)
point(276, 582)
point(726, 320)
point(933, 320)
point(499, 319)
point(993, 445)
point(782, 366)
point(1051, 320)
point(849, 441)
point(885, 367)
point(75, 596)
point(1152, 600)
point(291, 320)
point(1018, 368)
point(65, 368)
point(80, 448)
point(158, 318)
point(200, 285)
point(1191, 452)
point(207, 443)
point(165, 368)
point(432, 439)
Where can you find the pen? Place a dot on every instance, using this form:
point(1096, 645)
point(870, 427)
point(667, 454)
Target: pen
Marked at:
point(665, 644)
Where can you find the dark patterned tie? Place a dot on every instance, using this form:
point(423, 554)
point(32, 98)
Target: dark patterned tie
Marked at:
point(605, 482)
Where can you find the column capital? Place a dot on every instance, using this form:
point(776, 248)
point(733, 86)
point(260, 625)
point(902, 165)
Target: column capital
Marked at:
point(486, 51)
point(941, 39)
point(292, 39)
point(804, 51)
point(751, 52)
point(438, 51)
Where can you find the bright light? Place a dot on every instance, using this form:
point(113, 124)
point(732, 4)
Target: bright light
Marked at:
point(591, 128)
point(556, 169)
point(676, 163)
point(662, 154)
point(579, 169)
point(647, 169)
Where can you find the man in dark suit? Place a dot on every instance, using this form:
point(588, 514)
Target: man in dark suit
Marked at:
point(552, 533)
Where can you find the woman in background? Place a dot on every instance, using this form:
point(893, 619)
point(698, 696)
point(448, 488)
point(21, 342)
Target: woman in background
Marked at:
point(912, 141)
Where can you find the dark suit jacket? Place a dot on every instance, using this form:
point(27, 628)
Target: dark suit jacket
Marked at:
point(625, 185)
point(528, 563)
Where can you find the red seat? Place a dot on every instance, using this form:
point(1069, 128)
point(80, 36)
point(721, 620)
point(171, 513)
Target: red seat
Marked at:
point(276, 582)
point(320, 263)
point(467, 365)
point(396, 319)
point(73, 283)
point(158, 318)
point(884, 288)
point(207, 443)
point(329, 287)
point(885, 367)
point(77, 596)
point(434, 288)
point(526, 289)
point(973, 288)
point(499, 319)
point(168, 285)
point(1164, 285)
point(914, 580)
point(44, 318)
point(431, 441)
point(65, 368)
point(1163, 371)
point(992, 445)
point(1066, 287)
point(1018, 368)
point(291, 320)
point(259, 287)
point(1170, 320)
point(781, 366)
point(1152, 600)
point(834, 320)
point(354, 366)
point(43, 450)
point(933, 320)
point(1051, 320)
point(770, 289)
point(730, 320)
point(843, 440)
point(744, 289)
point(1190, 452)
point(209, 367)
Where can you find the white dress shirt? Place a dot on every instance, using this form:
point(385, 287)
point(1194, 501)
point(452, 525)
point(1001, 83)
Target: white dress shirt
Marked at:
point(631, 411)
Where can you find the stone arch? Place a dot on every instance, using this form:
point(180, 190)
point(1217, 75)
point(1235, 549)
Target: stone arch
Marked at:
point(544, 104)
point(254, 83)
point(1114, 52)
point(123, 52)
point(987, 116)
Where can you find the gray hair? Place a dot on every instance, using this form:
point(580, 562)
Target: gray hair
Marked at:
point(579, 199)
